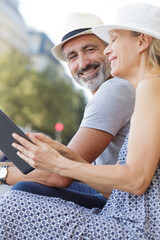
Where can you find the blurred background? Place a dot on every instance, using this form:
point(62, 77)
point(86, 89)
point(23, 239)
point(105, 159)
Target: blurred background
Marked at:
point(36, 90)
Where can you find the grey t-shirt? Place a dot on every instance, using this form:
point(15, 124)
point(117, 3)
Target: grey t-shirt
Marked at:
point(110, 110)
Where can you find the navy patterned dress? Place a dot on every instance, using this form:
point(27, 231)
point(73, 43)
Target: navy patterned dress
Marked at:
point(125, 216)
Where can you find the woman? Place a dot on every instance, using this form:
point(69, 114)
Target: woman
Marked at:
point(133, 208)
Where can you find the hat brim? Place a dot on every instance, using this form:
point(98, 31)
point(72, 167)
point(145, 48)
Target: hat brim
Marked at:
point(57, 50)
point(102, 31)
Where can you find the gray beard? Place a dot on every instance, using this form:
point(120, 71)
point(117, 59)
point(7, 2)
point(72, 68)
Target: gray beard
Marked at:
point(97, 79)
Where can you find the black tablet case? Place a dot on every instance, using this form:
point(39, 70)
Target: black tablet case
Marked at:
point(7, 127)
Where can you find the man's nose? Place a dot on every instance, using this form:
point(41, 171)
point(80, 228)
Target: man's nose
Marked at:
point(83, 61)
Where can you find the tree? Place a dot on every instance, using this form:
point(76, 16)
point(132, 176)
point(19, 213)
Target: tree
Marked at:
point(39, 99)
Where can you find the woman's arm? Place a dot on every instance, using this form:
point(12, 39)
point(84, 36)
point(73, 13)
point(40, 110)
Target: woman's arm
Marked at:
point(143, 151)
point(144, 142)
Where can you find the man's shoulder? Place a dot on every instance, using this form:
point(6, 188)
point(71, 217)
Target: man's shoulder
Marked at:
point(116, 91)
point(116, 85)
point(119, 82)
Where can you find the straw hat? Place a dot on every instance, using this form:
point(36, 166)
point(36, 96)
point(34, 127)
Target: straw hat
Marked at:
point(139, 17)
point(77, 24)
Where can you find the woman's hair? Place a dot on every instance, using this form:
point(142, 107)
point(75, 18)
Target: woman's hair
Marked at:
point(154, 49)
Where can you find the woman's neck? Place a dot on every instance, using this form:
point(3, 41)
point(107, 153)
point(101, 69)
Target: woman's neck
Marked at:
point(143, 73)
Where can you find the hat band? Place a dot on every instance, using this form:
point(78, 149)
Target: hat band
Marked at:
point(74, 32)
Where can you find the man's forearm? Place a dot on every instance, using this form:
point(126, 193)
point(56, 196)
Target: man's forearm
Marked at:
point(6, 163)
point(53, 180)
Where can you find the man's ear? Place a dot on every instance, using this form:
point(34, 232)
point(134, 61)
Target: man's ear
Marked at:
point(144, 42)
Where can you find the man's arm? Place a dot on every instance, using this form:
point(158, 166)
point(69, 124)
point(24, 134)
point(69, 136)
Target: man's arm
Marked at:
point(89, 143)
point(53, 180)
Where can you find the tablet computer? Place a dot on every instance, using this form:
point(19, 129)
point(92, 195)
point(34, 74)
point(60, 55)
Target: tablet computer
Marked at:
point(7, 127)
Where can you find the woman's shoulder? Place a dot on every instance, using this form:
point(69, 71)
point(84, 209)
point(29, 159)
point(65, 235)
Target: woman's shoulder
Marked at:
point(148, 94)
point(151, 86)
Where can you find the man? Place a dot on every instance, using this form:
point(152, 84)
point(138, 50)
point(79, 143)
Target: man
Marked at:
point(106, 118)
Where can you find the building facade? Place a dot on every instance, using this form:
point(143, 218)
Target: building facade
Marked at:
point(14, 34)
point(40, 50)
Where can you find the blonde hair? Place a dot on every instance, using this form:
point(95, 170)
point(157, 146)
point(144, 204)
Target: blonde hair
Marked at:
point(153, 50)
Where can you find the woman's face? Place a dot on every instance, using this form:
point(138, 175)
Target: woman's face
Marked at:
point(122, 52)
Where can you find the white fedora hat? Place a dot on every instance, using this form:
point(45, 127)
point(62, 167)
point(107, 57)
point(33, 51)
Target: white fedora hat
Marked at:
point(76, 24)
point(139, 17)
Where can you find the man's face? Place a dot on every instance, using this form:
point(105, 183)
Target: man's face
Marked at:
point(86, 61)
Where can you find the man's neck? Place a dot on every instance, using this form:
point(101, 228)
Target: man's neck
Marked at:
point(95, 90)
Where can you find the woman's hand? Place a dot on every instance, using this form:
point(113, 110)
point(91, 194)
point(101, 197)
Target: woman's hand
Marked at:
point(38, 154)
point(62, 149)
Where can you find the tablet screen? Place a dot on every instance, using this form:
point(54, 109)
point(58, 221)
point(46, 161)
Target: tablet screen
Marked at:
point(7, 127)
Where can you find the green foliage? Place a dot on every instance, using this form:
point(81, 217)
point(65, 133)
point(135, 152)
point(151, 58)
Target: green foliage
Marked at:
point(40, 99)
